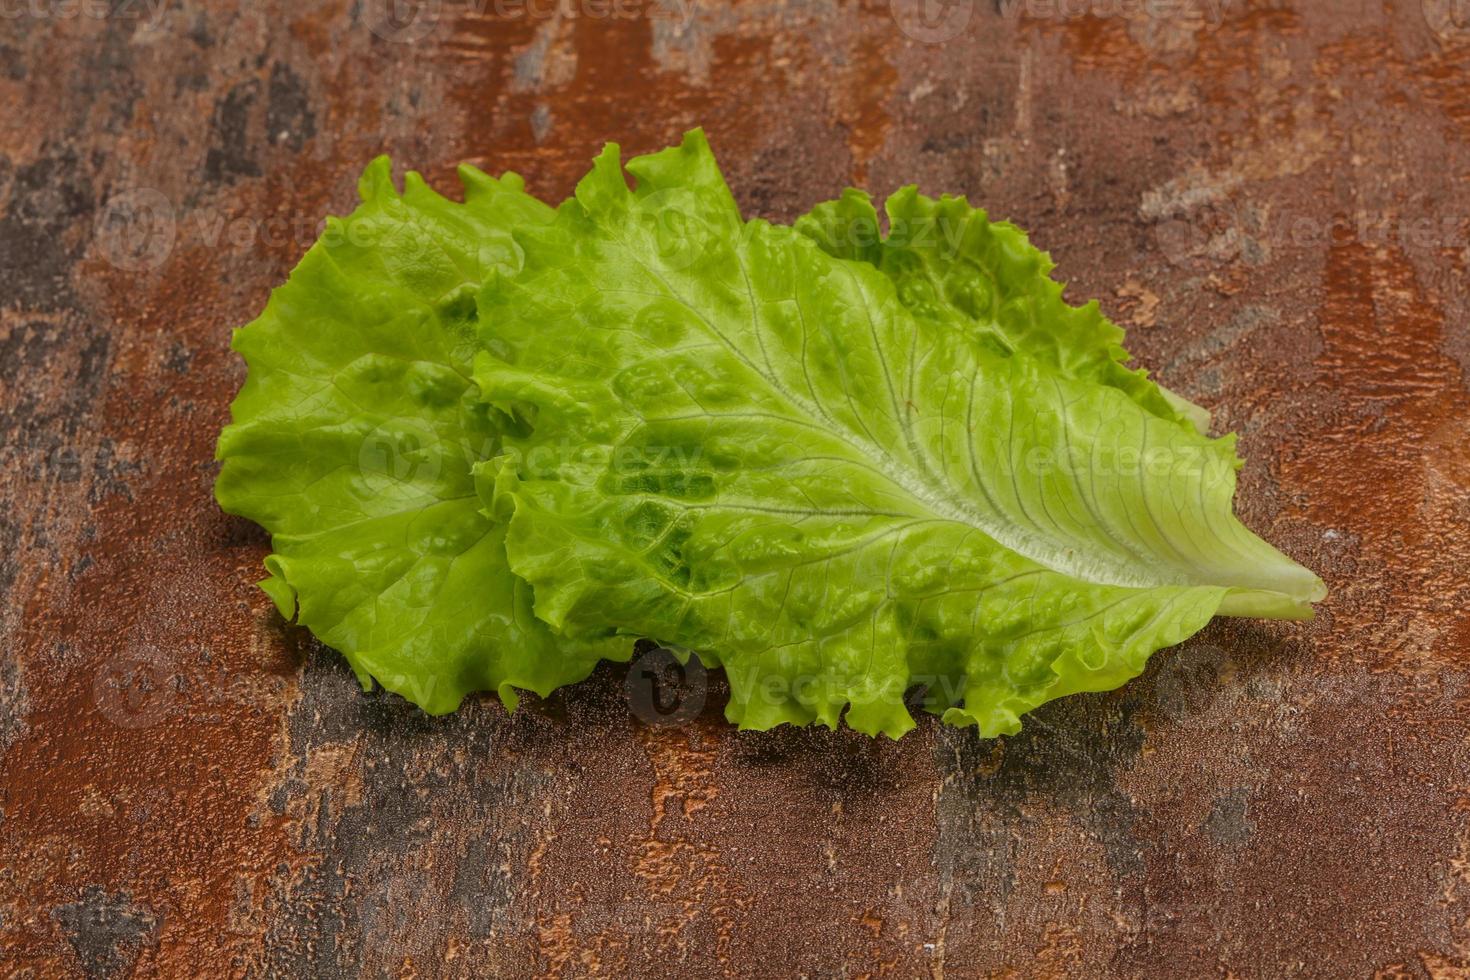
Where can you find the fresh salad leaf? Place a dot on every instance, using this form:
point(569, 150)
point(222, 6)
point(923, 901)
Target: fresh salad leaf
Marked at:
point(950, 262)
point(745, 446)
point(354, 435)
point(494, 442)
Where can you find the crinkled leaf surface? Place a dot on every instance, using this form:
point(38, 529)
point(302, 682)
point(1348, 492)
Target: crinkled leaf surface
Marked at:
point(751, 448)
point(950, 262)
point(354, 435)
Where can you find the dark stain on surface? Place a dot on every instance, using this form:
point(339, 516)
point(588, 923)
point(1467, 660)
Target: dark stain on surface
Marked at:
point(1068, 755)
point(13, 700)
point(233, 147)
point(289, 118)
point(11, 62)
point(27, 347)
point(1228, 821)
point(106, 931)
point(41, 231)
point(397, 782)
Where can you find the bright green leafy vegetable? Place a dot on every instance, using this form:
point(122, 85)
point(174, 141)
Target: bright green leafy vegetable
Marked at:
point(840, 471)
point(745, 447)
point(353, 439)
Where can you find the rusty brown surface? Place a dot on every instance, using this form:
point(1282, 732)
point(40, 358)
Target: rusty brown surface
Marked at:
point(1270, 193)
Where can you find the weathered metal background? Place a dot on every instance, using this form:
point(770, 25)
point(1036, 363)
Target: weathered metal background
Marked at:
point(1271, 195)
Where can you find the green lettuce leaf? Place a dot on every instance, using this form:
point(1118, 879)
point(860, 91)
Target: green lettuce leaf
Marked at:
point(745, 446)
point(950, 262)
point(353, 438)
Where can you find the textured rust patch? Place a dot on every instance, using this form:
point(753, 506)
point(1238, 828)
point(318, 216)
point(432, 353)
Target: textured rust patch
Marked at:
point(862, 94)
